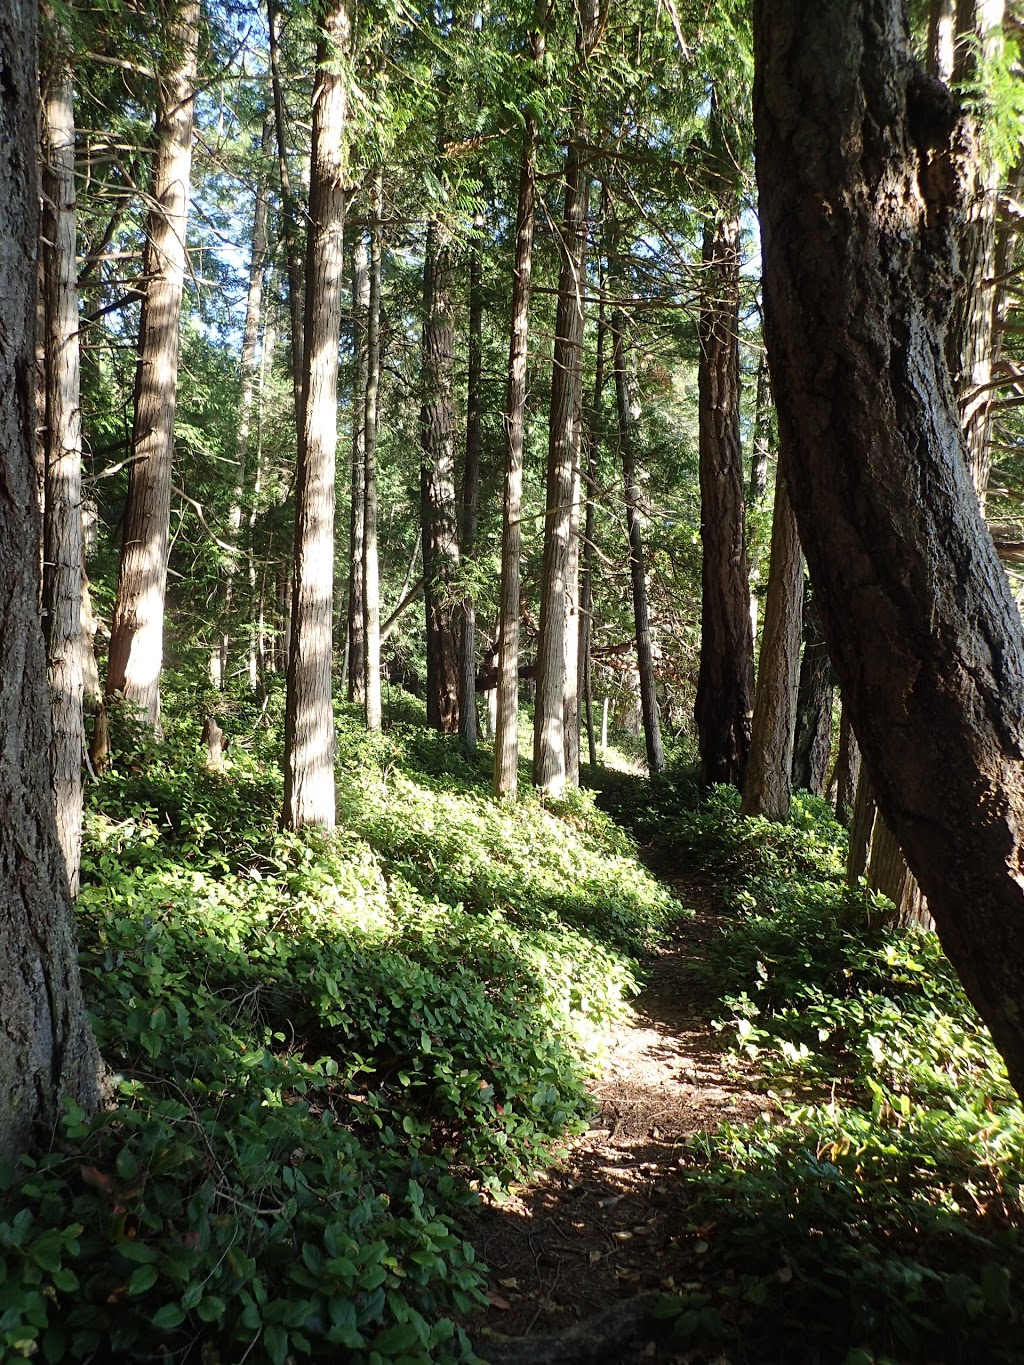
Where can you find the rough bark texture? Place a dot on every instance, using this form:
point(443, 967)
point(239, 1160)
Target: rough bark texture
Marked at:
point(506, 721)
point(62, 549)
point(725, 684)
point(847, 768)
point(309, 720)
point(812, 745)
point(437, 481)
point(860, 210)
point(46, 1046)
point(637, 566)
point(766, 788)
point(357, 501)
point(371, 567)
point(137, 624)
point(471, 488)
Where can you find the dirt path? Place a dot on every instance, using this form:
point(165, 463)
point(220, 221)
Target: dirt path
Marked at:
point(613, 1222)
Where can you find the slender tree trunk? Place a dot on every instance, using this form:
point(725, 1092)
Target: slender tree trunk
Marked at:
point(762, 435)
point(309, 722)
point(585, 682)
point(62, 550)
point(249, 364)
point(813, 744)
point(922, 626)
point(559, 588)
point(725, 684)
point(471, 489)
point(437, 481)
point(766, 788)
point(289, 215)
point(46, 1045)
point(637, 567)
point(357, 508)
point(371, 569)
point(848, 767)
point(506, 737)
point(137, 627)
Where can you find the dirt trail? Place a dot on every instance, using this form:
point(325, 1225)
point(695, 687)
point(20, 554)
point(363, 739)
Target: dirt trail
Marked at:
point(613, 1222)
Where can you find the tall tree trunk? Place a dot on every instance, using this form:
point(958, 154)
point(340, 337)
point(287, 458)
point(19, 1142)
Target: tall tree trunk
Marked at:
point(309, 721)
point(356, 624)
point(437, 481)
point(506, 737)
point(371, 569)
point(46, 1045)
point(137, 626)
point(848, 767)
point(922, 627)
point(813, 743)
point(637, 567)
point(766, 788)
point(725, 684)
point(762, 435)
point(559, 589)
point(585, 680)
point(62, 550)
point(289, 215)
point(249, 365)
point(471, 488)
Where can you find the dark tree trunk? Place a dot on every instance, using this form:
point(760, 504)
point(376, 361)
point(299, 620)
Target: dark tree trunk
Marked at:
point(585, 680)
point(725, 684)
point(63, 550)
point(471, 488)
point(766, 789)
point(922, 627)
point(812, 746)
point(506, 740)
point(437, 481)
point(356, 625)
point(762, 435)
point(371, 570)
point(309, 717)
point(46, 1045)
point(847, 768)
point(137, 626)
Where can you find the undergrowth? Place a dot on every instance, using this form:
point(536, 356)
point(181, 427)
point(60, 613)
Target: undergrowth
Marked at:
point(320, 1046)
point(876, 1214)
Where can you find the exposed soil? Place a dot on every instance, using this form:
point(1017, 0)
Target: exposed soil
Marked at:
point(613, 1222)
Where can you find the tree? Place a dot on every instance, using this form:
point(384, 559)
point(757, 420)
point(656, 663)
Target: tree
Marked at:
point(309, 718)
point(812, 743)
point(137, 628)
point(357, 506)
point(921, 625)
point(371, 567)
point(46, 1045)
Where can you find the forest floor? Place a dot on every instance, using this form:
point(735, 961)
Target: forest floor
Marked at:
point(611, 1222)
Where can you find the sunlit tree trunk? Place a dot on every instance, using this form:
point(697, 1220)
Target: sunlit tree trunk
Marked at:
point(357, 504)
point(309, 722)
point(62, 548)
point(289, 214)
point(46, 1045)
point(137, 625)
point(371, 569)
point(766, 787)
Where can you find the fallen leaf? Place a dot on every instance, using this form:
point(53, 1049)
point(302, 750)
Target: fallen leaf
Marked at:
point(496, 1301)
point(510, 1283)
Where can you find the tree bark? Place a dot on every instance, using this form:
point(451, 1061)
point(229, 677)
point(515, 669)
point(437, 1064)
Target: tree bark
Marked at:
point(762, 435)
point(813, 743)
point(471, 489)
point(356, 624)
point(437, 481)
point(921, 625)
point(46, 1045)
point(309, 720)
point(637, 566)
point(137, 626)
point(289, 215)
point(506, 736)
point(371, 568)
point(847, 768)
point(62, 548)
point(725, 684)
point(585, 680)
point(766, 788)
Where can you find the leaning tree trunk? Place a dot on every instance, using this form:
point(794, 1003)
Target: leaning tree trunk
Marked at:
point(63, 550)
point(371, 567)
point(356, 623)
point(725, 683)
point(46, 1045)
point(813, 743)
point(766, 787)
point(506, 726)
point(437, 481)
point(637, 565)
point(471, 488)
point(309, 720)
point(137, 625)
point(922, 627)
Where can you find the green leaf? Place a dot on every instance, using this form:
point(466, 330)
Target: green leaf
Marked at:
point(170, 1316)
point(275, 1340)
point(143, 1278)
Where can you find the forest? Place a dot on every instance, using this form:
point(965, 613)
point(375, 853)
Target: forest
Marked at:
point(512, 743)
